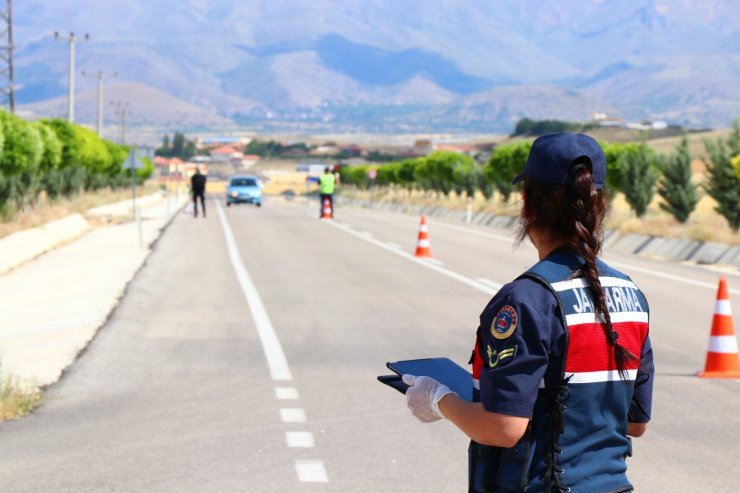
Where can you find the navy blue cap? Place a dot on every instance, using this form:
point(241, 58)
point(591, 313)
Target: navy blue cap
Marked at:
point(552, 156)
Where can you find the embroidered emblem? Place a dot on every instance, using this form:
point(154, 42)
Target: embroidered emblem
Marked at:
point(504, 323)
point(501, 356)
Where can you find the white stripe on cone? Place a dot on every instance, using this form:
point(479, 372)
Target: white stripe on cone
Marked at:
point(723, 307)
point(723, 344)
point(423, 243)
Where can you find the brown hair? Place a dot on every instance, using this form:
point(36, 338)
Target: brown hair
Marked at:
point(574, 212)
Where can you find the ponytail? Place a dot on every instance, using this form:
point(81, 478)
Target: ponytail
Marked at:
point(587, 242)
point(575, 212)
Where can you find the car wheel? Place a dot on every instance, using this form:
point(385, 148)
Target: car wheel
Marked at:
point(259, 204)
point(228, 204)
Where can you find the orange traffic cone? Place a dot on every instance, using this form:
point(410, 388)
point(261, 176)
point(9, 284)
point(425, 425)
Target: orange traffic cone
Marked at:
point(422, 246)
point(326, 210)
point(722, 357)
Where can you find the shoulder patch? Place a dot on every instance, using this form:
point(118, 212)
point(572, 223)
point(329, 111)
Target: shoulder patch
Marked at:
point(499, 357)
point(504, 323)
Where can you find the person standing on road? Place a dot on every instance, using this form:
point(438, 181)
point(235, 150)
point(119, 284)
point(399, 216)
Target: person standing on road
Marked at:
point(198, 189)
point(327, 182)
point(562, 365)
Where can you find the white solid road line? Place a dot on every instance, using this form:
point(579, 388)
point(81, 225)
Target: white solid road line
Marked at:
point(621, 265)
point(488, 282)
point(671, 277)
point(276, 360)
point(508, 239)
point(429, 265)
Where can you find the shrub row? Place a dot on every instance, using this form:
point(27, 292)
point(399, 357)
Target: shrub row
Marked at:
point(57, 157)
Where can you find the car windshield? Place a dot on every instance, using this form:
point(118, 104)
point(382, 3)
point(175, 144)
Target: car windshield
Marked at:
point(243, 182)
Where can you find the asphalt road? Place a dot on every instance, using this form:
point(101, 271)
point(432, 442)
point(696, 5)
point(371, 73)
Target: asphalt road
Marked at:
point(243, 358)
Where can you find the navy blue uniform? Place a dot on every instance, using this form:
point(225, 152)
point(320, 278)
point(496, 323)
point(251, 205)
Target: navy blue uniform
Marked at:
point(541, 354)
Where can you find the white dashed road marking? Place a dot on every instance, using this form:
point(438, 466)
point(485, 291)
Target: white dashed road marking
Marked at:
point(286, 393)
point(292, 415)
point(299, 439)
point(311, 471)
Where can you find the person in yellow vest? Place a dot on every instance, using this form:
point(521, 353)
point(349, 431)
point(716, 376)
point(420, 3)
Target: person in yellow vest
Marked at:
point(327, 182)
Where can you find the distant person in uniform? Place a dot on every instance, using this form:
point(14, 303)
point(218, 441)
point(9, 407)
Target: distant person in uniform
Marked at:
point(562, 364)
point(198, 189)
point(327, 181)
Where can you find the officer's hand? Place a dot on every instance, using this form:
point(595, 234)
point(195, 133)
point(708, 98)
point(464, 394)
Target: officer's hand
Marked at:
point(423, 396)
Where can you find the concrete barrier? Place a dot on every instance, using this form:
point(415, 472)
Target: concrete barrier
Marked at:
point(710, 253)
point(671, 249)
point(629, 243)
point(731, 257)
point(502, 222)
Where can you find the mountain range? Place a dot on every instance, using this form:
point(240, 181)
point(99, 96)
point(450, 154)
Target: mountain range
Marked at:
point(383, 65)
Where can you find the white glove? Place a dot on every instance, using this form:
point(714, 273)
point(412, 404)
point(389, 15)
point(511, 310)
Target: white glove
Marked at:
point(423, 396)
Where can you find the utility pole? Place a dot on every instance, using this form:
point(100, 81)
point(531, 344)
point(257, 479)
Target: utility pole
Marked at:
point(99, 75)
point(71, 39)
point(6, 57)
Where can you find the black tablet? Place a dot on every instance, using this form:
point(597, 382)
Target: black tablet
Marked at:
point(394, 381)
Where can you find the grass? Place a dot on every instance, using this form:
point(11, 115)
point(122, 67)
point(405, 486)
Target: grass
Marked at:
point(16, 399)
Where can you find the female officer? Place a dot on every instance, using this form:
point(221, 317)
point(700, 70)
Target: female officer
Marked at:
point(562, 364)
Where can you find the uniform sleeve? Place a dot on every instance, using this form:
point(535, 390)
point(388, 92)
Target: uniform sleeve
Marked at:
point(642, 398)
point(517, 335)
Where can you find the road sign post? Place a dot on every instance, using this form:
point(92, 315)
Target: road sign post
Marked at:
point(132, 163)
point(372, 173)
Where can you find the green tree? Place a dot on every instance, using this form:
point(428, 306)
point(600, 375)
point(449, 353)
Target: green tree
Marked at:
point(614, 176)
point(640, 170)
point(722, 184)
point(444, 171)
point(178, 145)
point(466, 175)
point(505, 163)
point(165, 150)
point(675, 186)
